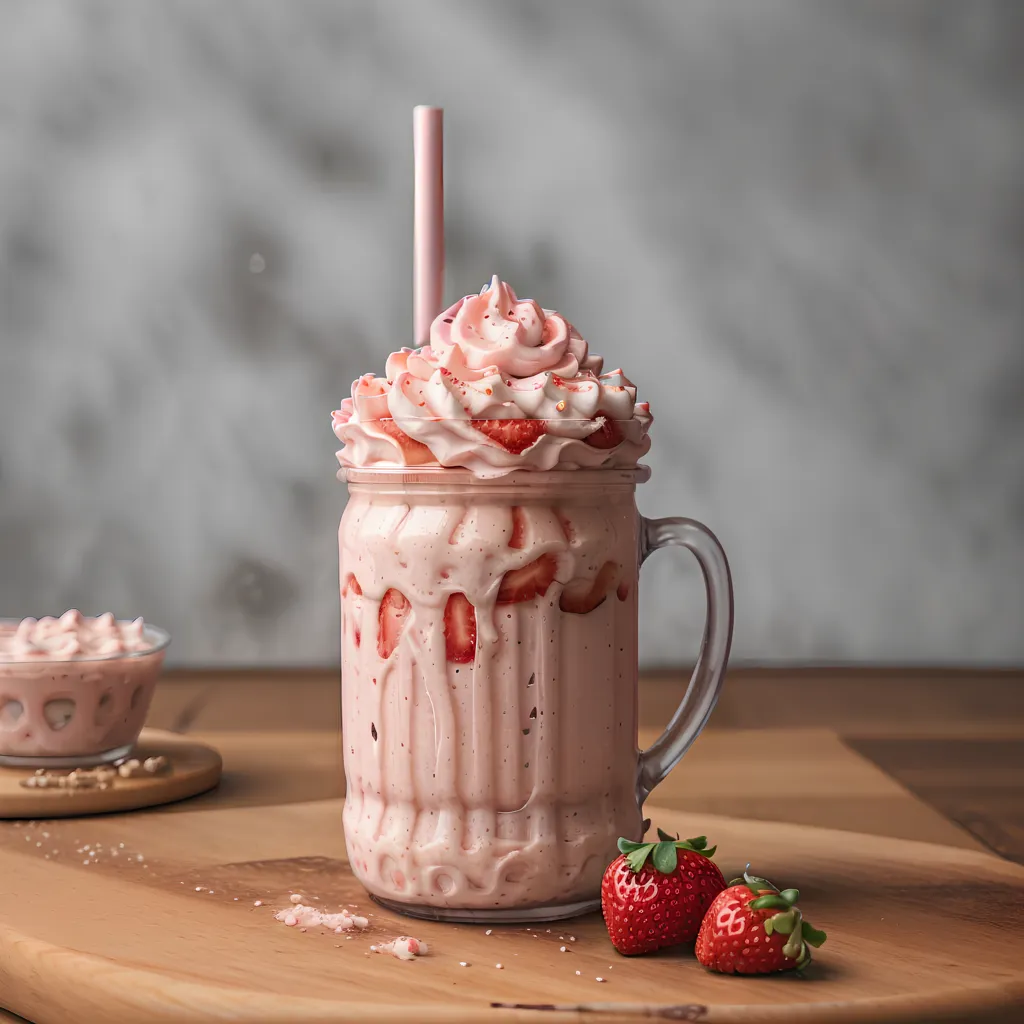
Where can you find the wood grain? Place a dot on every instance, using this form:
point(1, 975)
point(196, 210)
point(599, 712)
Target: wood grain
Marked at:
point(979, 784)
point(853, 701)
point(962, 711)
point(123, 940)
point(195, 768)
point(803, 776)
point(775, 750)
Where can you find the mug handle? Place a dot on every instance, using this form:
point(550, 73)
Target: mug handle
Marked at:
point(706, 682)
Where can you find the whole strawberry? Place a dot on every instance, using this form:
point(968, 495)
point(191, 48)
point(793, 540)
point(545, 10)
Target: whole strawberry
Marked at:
point(752, 928)
point(655, 894)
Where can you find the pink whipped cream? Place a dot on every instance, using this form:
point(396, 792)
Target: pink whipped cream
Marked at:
point(73, 635)
point(503, 385)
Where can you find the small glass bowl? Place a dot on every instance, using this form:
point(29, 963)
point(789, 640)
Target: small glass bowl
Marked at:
point(80, 711)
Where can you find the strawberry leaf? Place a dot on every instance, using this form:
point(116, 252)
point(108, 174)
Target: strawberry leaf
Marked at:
point(812, 936)
point(709, 852)
point(698, 844)
point(665, 857)
point(786, 924)
point(665, 837)
point(628, 846)
point(791, 896)
point(769, 902)
point(637, 858)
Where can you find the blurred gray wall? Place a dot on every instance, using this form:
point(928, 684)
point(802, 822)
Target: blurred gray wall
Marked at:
point(798, 225)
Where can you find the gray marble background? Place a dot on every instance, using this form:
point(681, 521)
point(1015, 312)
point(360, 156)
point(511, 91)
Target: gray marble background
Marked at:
point(798, 225)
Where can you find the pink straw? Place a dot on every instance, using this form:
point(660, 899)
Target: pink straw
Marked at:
point(428, 219)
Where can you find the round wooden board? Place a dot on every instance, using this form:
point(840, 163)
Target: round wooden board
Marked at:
point(195, 768)
point(164, 929)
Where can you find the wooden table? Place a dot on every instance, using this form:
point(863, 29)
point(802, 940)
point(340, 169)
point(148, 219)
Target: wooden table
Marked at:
point(933, 756)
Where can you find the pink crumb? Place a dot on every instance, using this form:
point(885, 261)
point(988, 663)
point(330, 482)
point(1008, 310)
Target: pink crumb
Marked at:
point(405, 947)
point(310, 917)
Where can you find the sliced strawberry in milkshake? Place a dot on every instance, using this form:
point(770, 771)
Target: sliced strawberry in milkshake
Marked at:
point(513, 435)
point(608, 435)
point(581, 596)
point(354, 593)
point(459, 629)
point(394, 610)
point(414, 453)
point(529, 582)
point(566, 523)
point(518, 538)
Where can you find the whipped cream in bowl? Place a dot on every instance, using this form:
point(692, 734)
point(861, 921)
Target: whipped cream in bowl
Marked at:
point(503, 385)
point(75, 690)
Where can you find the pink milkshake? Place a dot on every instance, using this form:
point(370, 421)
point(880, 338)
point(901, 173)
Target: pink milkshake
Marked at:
point(489, 559)
point(75, 690)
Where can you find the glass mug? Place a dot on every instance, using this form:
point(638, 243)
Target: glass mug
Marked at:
point(489, 684)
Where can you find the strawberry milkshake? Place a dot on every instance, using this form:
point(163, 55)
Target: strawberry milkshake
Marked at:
point(75, 690)
point(489, 552)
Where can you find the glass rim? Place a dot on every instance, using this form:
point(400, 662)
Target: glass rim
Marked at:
point(597, 475)
point(159, 638)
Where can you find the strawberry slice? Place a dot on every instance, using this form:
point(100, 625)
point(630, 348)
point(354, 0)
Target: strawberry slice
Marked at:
point(394, 610)
point(581, 596)
point(513, 435)
point(567, 528)
point(354, 593)
point(414, 452)
point(459, 629)
point(527, 583)
point(608, 436)
point(518, 538)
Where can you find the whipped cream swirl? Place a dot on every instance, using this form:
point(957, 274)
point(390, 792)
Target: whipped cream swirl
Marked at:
point(73, 635)
point(503, 385)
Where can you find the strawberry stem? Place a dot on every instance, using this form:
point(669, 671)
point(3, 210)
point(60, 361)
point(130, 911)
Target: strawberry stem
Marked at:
point(753, 883)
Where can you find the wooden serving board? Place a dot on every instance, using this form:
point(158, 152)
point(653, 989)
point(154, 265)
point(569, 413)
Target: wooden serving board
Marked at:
point(164, 929)
point(194, 768)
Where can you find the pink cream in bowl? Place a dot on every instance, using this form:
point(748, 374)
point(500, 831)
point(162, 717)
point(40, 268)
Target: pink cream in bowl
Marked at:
point(75, 690)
